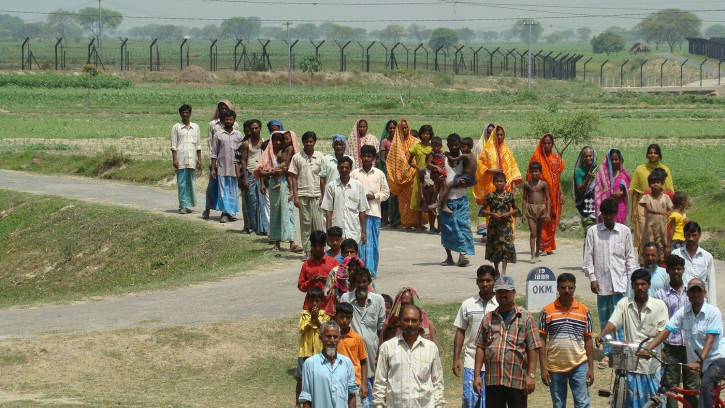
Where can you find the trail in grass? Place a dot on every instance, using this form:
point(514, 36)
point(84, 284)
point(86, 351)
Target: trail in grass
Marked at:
point(407, 259)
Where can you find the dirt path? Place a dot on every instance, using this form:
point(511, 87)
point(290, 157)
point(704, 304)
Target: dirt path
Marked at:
point(406, 259)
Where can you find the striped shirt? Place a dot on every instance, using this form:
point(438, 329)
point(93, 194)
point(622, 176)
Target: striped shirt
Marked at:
point(408, 377)
point(505, 347)
point(468, 319)
point(565, 331)
point(674, 301)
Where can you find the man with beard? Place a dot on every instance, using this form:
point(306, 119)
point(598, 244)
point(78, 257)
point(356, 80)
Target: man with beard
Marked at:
point(658, 275)
point(328, 172)
point(253, 189)
point(328, 378)
point(367, 320)
point(409, 373)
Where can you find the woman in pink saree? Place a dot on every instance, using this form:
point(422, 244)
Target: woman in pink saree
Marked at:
point(613, 181)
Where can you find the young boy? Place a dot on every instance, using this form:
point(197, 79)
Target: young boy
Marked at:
point(436, 166)
point(311, 318)
point(305, 166)
point(345, 203)
point(334, 289)
point(225, 167)
point(657, 208)
point(376, 190)
point(465, 179)
point(352, 346)
point(186, 154)
point(316, 268)
point(334, 238)
point(535, 207)
point(676, 222)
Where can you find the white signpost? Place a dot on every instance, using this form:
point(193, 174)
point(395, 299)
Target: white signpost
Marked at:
point(540, 288)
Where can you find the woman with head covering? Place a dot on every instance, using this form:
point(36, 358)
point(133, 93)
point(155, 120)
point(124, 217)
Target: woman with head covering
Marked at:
point(391, 328)
point(215, 125)
point(389, 208)
point(337, 282)
point(639, 187)
point(400, 174)
point(360, 137)
point(274, 125)
point(613, 181)
point(281, 217)
point(496, 157)
point(585, 171)
point(484, 138)
point(552, 166)
point(328, 170)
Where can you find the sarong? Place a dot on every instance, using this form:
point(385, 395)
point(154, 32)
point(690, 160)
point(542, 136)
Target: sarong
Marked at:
point(281, 215)
point(228, 199)
point(369, 253)
point(455, 227)
point(641, 387)
point(212, 193)
point(393, 211)
point(187, 193)
point(253, 200)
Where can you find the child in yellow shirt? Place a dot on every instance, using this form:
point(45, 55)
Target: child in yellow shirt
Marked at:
point(310, 321)
point(676, 222)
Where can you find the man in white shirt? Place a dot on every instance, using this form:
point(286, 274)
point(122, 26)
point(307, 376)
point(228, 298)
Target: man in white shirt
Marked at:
point(698, 262)
point(186, 156)
point(609, 260)
point(376, 190)
point(409, 373)
point(467, 322)
point(345, 203)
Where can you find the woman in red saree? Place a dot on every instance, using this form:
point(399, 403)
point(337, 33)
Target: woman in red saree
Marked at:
point(552, 166)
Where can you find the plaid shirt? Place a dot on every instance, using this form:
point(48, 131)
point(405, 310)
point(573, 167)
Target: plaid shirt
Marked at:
point(505, 347)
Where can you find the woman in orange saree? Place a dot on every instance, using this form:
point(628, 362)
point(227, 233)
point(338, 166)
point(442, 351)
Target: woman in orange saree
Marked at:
point(496, 157)
point(400, 174)
point(552, 167)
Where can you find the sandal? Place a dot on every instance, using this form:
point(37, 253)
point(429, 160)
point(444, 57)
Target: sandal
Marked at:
point(448, 263)
point(296, 249)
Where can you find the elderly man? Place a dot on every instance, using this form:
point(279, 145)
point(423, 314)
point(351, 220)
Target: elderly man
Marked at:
point(701, 326)
point(328, 170)
point(328, 378)
point(409, 373)
point(641, 317)
point(507, 342)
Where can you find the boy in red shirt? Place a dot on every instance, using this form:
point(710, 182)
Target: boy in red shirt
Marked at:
point(316, 268)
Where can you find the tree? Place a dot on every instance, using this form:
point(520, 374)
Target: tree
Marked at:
point(311, 64)
point(392, 32)
point(607, 43)
point(626, 35)
point(237, 28)
point(88, 19)
point(63, 24)
point(506, 35)
point(554, 37)
point(715, 30)
point(418, 32)
point(568, 34)
point(466, 34)
point(488, 36)
point(9, 26)
point(168, 32)
point(567, 127)
point(211, 31)
point(278, 33)
point(341, 33)
point(359, 33)
point(669, 26)
point(325, 28)
point(443, 36)
point(306, 31)
point(146, 32)
point(522, 31)
point(584, 33)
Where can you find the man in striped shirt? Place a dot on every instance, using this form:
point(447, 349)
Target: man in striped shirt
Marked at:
point(568, 357)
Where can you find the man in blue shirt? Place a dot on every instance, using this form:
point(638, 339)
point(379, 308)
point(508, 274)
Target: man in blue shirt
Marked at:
point(701, 325)
point(328, 378)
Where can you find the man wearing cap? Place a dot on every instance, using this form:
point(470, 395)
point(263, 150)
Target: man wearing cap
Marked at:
point(507, 342)
point(701, 326)
point(641, 317)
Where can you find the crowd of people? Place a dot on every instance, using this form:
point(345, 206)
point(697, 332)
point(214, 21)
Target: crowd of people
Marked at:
point(357, 347)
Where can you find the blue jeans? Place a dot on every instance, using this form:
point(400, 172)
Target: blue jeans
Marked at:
point(577, 380)
point(470, 399)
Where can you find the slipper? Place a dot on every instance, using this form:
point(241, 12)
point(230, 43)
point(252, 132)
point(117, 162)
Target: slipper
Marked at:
point(296, 249)
point(604, 363)
point(448, 263)
point(463, 261)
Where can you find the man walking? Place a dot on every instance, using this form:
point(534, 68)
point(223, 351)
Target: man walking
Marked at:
point(698, 262)
point(409, 373)
point(186, 156)
point(306, 166)
point(568, 356)
point(507, 342)
point(345, 203)
point(467, 322)
point(609, 260)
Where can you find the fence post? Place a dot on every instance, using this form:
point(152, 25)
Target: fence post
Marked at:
point(407, 55)
point(621, 73)
point(58, 43)
point(585, 68)
point(90, 44)
point(682, 65)
point(265, 55)
point(475, 59)
point(640, 73)
point(317, 47)
point(362, 56)
point(718, 70)
point(437, 67)
point(392, 56)
point(506, 61)
point(181, 54)
point(601, 72)
point(662, 84)
point(367, 56)
point(386, 55)
point(342, 54)
point(456, 64)
point(244, 54)
point(415, 56)
point(123, 50)
point(151, 55)
point(22, 52)
point(290, 53)
point(543, 60)
point(703, 63)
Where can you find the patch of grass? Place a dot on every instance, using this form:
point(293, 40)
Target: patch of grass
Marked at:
point(56, 249)
point(63, 81)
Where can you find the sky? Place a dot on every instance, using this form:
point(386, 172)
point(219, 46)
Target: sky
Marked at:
point(376, 14)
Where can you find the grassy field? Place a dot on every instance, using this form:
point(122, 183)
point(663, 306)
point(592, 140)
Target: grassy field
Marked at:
point(56, 249)
point(246, 364)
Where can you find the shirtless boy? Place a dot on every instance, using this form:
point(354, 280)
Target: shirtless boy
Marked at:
point(466, 179)
point(535, 207)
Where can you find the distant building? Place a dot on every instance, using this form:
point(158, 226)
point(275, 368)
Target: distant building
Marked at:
point(712, 48)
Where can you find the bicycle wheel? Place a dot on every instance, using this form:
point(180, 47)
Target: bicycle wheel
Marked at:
point(619, 392)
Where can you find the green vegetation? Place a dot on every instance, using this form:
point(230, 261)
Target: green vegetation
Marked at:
point(46, 81)
point(56, 249)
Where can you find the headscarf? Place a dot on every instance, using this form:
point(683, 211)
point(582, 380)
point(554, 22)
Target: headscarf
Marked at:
point(268, 157)
point(272, 123)
point(589, 193)
point(552, 166)
point(400, 174)
point(484, 138)
point(495, 155)
point(604, 184)
point(228, 104)
point(639, 178)
point(394, 319)
point(356, 142)
point(338, 137)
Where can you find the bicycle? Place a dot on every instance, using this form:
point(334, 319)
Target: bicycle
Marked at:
point(622, 358)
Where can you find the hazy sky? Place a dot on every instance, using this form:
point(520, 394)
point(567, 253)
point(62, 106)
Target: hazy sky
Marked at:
point(375, 14)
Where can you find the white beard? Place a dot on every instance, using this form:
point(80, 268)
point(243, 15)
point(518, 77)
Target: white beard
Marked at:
point(331, 352)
